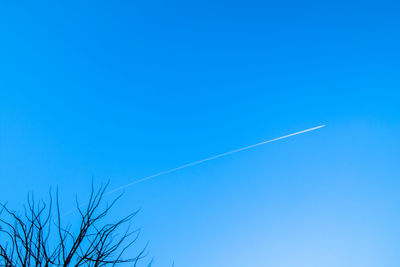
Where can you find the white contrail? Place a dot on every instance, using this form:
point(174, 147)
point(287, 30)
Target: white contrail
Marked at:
point(210, 158)
point(201, 161)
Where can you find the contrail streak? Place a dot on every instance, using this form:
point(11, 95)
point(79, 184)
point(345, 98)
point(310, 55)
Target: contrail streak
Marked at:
point(210, 158)
point(203, 160)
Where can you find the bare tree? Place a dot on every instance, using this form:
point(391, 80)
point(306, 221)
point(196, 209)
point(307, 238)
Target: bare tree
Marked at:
point(36, 237)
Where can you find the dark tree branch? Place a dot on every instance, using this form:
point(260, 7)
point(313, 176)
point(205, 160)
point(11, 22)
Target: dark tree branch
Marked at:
point(29, 239)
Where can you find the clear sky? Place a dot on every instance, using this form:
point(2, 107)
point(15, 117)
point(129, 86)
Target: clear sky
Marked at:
point(119, 90)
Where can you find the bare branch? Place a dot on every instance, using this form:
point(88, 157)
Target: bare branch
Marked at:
point(28, 239)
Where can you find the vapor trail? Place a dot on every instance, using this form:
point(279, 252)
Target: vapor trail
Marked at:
point(201, 161)
point(210, 158)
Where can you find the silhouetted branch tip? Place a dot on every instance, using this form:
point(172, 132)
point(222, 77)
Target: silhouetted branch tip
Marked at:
point(28, 239)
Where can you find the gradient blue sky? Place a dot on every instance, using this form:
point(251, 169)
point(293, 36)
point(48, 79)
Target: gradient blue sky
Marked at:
point(119, 90)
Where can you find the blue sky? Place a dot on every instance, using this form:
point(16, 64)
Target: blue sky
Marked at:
point(119, 90)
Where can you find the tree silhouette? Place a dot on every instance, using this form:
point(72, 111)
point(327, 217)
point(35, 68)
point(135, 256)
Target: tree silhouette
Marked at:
point(35, 238)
